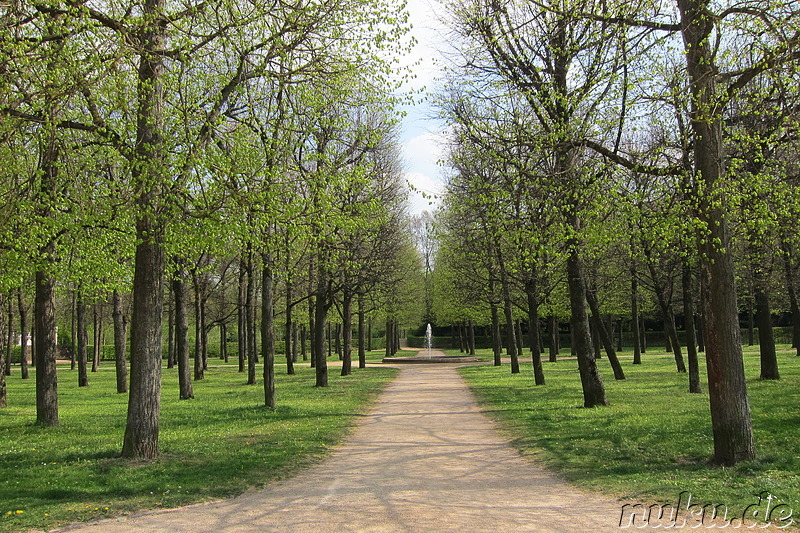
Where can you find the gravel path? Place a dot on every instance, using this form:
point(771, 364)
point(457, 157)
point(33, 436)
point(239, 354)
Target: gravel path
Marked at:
point(425, 459)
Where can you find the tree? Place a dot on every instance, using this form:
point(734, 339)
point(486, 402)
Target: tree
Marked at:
point(759, 125)
point(563, 67)
point(5, 342)
point(724, 48)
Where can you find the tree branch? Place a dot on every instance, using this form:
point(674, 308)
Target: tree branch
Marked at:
point(787, 52)
point(615, 157)
point(623, 20)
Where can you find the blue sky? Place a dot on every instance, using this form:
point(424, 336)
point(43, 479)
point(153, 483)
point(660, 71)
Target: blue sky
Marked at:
point(420, 133)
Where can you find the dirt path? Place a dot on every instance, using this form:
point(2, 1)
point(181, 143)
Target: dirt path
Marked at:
point(423, 460)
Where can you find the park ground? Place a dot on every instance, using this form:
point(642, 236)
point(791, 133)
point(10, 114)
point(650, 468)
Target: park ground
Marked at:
point(651, 445)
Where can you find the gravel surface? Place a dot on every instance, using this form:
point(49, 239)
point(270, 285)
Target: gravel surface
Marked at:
point(425, 459)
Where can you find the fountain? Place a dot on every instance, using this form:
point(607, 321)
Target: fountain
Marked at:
point(426, 354)
point(428, 339)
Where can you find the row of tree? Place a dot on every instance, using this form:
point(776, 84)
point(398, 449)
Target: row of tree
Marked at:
point(152, 145)
point(600, 145)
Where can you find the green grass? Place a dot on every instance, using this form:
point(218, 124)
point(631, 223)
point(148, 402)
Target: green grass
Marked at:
point(218, 445)
point(373, 356)
point(655, 438)
point(400, 353)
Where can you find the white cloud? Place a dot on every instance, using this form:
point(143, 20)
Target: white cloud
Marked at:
point(425, 175)
point(425, 57)
point(422, 134)
point(424, 152)
point(424, 192)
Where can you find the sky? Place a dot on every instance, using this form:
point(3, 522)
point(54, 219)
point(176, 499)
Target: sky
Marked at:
point(420, 133)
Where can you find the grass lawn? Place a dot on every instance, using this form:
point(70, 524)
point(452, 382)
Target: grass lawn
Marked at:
point(400, 353)
point(218, 445)
point(655, 439)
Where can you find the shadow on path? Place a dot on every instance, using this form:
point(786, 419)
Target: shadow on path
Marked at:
point(425, 459)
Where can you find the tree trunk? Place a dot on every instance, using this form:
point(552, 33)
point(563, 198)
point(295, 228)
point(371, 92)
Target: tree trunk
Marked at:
point(593, 390)
point(97, 335)
point(388, 347)
point(8, 346)
point(572, 350)
point(83, 339)
point(288, 330)
point(557, 330)
point(766, 340)
point(670, 334)
point(185, 391)
point(5, 353)
point(203, 334)
point(395, 336)
point(541, 341)
point(73, 362)
point(144, 400)
point(701, 344)
point(303, 342)
point(605, 338)
point(347, 333)
point(533, 331)
point(120, 335)
point(362, 354)
point(250, 319)
point(45, 328)
point(511, 337)
point(553, 331)
point(268, 330)
point(295, 343)
point(338, 341)
point(330, 339)
point(471, 337)
point(223, 341)
point(792, 291)
point(312, 329)
point(241, 307)
point(730, 408)
point(369, 334)
point(507, 311)
point(33, 335)
point(520, 338)
point(497, 348)
point(637, 350)
point(596, 344)
point(688, 313)
point(171, 333)
point(199, 371)
point(320, 314)
point(668, 344)
point(23, 335)
point(643, 339)
point(751, 326)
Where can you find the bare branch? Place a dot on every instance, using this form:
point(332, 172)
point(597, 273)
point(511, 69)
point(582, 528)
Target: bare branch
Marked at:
point(615, 157)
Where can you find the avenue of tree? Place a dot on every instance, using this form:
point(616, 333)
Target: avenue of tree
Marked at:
point(220, 162)
point(232, 166)
point(600, 149)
